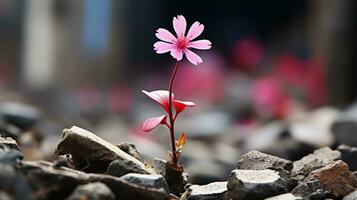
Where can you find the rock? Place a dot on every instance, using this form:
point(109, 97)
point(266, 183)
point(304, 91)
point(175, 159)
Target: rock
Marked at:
point(9, 130)
point(349, 155)
point(147, 181)
point(13, 183)
point(318, 159)
point(130, 149)
point(255, 160)
point(287, 196)
point(91, 153)
point(9, 143)
point(92, 191)
point(309, 189)
point(9, 151)
point(311, 134)
point(21, 115)
point(336, 178)
point(254, 184)
point(119, 168)
point(55, 182)
point(211, 191)
point(351, 196)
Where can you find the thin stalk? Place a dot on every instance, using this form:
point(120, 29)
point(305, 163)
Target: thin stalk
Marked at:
point(171, 117)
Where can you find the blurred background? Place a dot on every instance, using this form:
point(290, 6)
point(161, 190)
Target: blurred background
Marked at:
point(279, 75)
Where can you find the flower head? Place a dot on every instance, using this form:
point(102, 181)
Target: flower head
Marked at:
point(182, 42)
point(162, 97)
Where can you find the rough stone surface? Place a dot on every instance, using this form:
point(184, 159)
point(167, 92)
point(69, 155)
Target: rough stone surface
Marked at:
point(146, 180)
point(9, 151)
point(254, 184)
point(9, 143)
point(287, 196)
point(349, 155)
point(130, 149)
point(336, 178)
point(318, 159)
point(351, 196)
point(212, 191)
point(49, 182)
point(255, 160)
point(92, 191)
point(309, 189)
point(119, 168)
point(91, 153)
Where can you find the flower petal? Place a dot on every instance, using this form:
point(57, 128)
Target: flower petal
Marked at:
point(195, 30)
point(200, 44)
point(179, 23)
point(165, 35)
point(182, 105)
point(160, 96)
point(192, 57)
point(153, 122)
point(177, 53)
point(163, 47)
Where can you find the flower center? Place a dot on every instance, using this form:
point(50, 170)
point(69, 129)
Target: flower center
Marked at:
point(182, 43)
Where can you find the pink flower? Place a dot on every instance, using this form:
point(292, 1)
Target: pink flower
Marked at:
point(162, 97)
point(181, 44)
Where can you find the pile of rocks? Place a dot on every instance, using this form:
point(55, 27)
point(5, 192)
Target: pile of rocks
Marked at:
point(89, 167)
point(324, 174)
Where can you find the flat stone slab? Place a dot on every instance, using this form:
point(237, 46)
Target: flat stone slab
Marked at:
point(254, 184)
point(91, 153)
point(211, 191)
point(146, 180)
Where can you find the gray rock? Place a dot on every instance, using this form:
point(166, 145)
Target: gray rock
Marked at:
point(9, 151)
point(287, 196)
point(21, 115)
point(119, 168)
point(147, 181)
point(13, 183)
point(91, 153)
point(9, 130)
point(9, 143)
point(255, 160)
point(212, 191)
point(130, 149)
point(254, 184)
point(92, 191)
point(56, 182)
point(351, 196)
point(349, 155)
point(309, 189)
point(318, 159)
point(344, 132)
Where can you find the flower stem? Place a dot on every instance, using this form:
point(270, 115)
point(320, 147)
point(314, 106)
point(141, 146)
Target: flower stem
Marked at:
point(171, 117)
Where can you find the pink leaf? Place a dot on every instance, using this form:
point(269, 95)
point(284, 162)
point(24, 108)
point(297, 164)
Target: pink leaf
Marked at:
point(160, 96)
point(153, 122)
point(182, 105)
